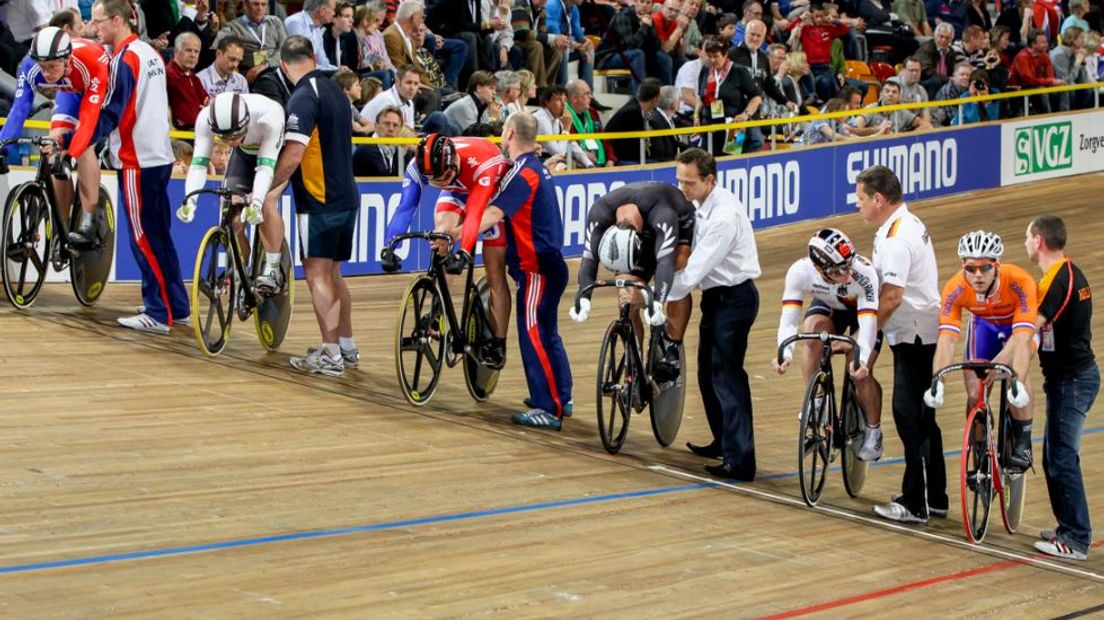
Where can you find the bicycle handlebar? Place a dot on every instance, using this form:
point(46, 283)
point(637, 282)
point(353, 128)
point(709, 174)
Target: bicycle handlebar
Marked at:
point(391, 263)
point(979, 368)
point(649, 296)
point(38, 141)
point(224, 192)
point(824, 337)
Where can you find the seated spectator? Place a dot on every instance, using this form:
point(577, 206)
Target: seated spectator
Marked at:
point(881, 30)
point(973, 47)
point(728, 94)
point(826, 130)
point(911, 89)
point(978, 15)
point(374, 59)
point(953, 89)
point(726, 26)
point(480, 105)
point(369, 88)
point(504, 53)
point(585, 119)
point(400, 96)
point(975, 112)
point(951, 12)
point(665, 148)
point(261, 33)
point(687, 82)
point(550, 122)
point(853, 97)
point(670, 24)
point(625, 43)
point(816, 31)
point(383, 160)
point(565, 30)
point(693, 36)
point(751, 10)
point(311, 23)
point(798, 82)
point(999, 64)
point(340, 44)
point(1078, 9)
point(633, 116)
point(875, 121)
point(220, 156)
point(1019, 20)
point(182, 157)
point(222, 76)
point(937, 59)
point(186, 93)
point(1068, 60)
point(530, 25)
point(528, 88)
point(350, 85)
point(913, 14)
point(508, 88)
point(1032, 69)
point(404, 41)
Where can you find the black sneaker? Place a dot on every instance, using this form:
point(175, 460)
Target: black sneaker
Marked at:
point(1020, 459)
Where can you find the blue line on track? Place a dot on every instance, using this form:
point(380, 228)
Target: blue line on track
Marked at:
point(391, 525)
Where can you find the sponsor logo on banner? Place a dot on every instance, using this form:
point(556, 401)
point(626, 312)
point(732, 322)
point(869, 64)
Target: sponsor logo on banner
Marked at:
point(575, 201)
point(924, 166)
point(767, 191)
point(1043, 148)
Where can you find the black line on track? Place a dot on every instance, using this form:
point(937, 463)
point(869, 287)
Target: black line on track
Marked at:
point(468, 421)
point(1081, 613)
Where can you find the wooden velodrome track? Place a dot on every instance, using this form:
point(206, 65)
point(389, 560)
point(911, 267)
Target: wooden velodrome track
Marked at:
point(139, 479)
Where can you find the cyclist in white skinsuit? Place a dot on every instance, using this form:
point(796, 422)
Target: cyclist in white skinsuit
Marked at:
point(253, 126)
point(844, 286)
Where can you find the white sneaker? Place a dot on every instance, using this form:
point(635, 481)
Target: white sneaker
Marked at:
point(871, 449)
point(1060, 549)
point(896, 512)
point(351, 357)
point(184, 321)
point(144, 323)
point(270, 281)
point(319, 363)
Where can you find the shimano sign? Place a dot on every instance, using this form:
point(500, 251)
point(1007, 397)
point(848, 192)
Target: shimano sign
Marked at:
point(922, 167)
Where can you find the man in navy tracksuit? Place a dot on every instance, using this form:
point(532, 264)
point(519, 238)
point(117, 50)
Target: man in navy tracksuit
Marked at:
point(534, 233)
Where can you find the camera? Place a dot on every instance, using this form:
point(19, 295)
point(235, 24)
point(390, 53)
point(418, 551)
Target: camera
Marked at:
point(981, 85)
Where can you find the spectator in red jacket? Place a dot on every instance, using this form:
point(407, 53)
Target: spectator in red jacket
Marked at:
point(1032, 69)
point(816, 31)
point(186, 92)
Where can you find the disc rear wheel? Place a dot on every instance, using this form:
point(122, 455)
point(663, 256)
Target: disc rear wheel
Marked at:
point(90, 269)
point(479, 379)
point(854, 427)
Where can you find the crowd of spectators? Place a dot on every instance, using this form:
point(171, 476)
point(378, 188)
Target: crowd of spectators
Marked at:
point(463, 66)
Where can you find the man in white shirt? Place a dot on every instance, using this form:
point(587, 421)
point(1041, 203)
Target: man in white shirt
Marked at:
point(401, 96)
point(222, 76)
point(311, 23)
point(549, 122)
point(724, 263)
point(908, 314)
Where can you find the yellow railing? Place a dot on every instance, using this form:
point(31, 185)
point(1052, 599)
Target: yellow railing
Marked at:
point(188, 135)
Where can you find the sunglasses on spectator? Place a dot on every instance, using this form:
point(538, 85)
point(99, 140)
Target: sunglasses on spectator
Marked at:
point(985, 268)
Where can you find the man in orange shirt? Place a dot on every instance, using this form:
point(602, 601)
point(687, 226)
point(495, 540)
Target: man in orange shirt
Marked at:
point(1003, 301)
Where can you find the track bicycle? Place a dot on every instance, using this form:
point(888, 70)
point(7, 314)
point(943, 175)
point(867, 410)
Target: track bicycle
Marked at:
point(429, 333)
point(826, 430)
point(35, 234)
point(984, 468)
point(626, 379)
point(222, 285)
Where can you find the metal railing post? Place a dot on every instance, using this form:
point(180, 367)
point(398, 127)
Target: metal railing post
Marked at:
point(643, 155)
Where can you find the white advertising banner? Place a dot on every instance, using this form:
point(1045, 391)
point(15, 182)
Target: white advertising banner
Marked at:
point(1051, 147)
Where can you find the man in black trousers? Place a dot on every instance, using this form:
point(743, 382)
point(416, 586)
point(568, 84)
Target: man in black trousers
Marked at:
point(908, 314)
point(724, 264)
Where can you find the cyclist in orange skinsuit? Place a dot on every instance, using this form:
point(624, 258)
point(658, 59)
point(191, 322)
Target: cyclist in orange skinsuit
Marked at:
point(1003, 301)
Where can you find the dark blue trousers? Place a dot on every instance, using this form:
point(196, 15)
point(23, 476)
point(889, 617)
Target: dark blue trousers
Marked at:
point(1068, 401)
point(547, 370)
point(145, 198)
point(727, 314)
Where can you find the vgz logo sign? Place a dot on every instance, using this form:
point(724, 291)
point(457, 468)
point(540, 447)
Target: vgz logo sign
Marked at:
point(1044, 148)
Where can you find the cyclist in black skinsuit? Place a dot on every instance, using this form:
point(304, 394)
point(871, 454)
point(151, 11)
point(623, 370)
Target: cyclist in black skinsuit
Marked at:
point(638, 230)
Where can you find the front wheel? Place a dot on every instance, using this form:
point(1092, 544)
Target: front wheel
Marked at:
point(813, 441)
point(615, 385)
point(977, 474)
point(214, 288)
point(420, 341)
point(26, 242)
point(854, 426)
point(479, 379)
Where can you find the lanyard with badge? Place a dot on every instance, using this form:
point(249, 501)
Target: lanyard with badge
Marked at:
point(260, 56)
point(716, 108)
point(1046, 332)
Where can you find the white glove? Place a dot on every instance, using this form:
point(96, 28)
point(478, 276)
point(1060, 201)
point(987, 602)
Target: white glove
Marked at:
point(1021, 399)
point(253, 213)
point(654, 316)
point(584, 311)
point(935, 401)
point(186, 212)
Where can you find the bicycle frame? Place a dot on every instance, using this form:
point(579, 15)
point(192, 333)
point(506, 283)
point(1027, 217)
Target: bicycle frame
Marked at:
point(636, 355)
point(43, 178)
point(231, 211)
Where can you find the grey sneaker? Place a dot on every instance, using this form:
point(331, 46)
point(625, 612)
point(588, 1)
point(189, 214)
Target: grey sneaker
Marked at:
point(318, 363)
point(351, 357)
point(896, 512)
point(871, 449)
point(144, 323)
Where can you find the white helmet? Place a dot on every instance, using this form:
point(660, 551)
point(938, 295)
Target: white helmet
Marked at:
point(619, 248)
point(228, 115)
point(831, 249)
point(980, 244)
point(51, 43)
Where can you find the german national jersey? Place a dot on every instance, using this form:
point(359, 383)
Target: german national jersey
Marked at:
point(136, 111)
point(481, 168)
point(263, 139)
point(79, 94)
point(528, 198)
point(860, 295)
point(1012, 302)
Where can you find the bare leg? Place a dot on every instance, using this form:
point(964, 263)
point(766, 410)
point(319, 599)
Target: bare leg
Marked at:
point(869, 392)
point(325, 297)
point(345, 298)
point(272, 228)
